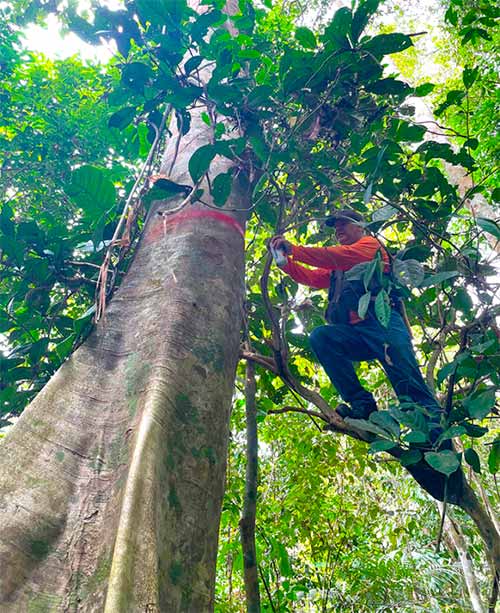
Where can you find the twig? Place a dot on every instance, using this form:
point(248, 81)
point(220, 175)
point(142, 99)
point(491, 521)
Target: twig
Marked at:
point(298, 410)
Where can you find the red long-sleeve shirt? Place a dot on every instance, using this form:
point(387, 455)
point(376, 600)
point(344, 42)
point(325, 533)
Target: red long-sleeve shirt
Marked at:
point(327, 259)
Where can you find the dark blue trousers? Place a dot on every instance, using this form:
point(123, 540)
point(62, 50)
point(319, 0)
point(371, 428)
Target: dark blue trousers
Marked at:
point(337, 346)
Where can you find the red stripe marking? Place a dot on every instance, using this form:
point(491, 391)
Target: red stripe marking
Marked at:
point(159, 225)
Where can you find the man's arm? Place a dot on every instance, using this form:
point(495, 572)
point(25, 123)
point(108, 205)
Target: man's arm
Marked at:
point(318, 278)
point(342, 257)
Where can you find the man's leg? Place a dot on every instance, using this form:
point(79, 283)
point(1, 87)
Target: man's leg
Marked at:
point(337, 347)
point(395, 351)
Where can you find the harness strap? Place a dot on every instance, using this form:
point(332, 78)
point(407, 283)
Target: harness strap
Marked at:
point(339, 285)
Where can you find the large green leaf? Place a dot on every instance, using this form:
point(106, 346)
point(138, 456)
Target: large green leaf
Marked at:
point(221, 188)
point(410, 457)
point(385, 44)
point(200, 161)
point(446, 462)
point(469, 76)
point(381, 445)
point(408, 272)
point(388, 86)
point(337, 30)
point(479, 405)
point(494, 457)
point(489, 225)
point(305, 37)
point(363, 304)
point(383, 308)
point(472, 459)
point(91, 189)
point(439, 278)
point(122, 118)
point(136, 74)
point(366, 8)
point(385, 421)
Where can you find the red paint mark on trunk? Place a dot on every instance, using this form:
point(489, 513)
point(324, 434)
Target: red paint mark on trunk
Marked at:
point(162, 224)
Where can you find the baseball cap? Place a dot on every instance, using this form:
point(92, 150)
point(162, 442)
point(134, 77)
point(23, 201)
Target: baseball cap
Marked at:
point(344, 215)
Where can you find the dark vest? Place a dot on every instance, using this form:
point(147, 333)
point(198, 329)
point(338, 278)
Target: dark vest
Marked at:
point(344, 295)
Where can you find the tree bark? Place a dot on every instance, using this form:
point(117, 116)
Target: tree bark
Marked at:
point(111, 482)
point(456, 543)
point(486, 527)
point(247, 522)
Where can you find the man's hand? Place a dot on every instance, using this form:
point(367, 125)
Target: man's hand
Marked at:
point(278, 242)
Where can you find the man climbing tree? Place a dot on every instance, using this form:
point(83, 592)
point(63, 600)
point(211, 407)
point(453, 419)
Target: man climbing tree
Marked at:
point(354, 332)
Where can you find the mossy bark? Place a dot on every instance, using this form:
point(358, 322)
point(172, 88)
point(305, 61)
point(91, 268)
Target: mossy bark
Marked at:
point(111, 482)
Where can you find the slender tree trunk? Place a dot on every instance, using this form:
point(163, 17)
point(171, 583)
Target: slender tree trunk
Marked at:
point(456, 542)
point(247, 522)
point(111, 482)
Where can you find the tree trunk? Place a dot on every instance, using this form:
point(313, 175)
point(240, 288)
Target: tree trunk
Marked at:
point(456, 542)
point(111, 482)
point(247, 522)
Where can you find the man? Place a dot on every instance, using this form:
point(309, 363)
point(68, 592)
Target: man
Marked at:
point(347, 338)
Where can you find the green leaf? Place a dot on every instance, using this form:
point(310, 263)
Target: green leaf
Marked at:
point(91, 189)
point(454, 97)
point(385, 44)
point(370, 270)
point(446, 462)
point(383, 308)
point(438, 278)
point(494, 457)
point(160, 11)
point(358, 271)
point(388, 86)
point(474, 431)
point(363, 304)
point(424, 89)
point(200, 161)
point(452, 432)
point(384, 213)
point(192, 64)
point(473, 460)
point(381, 445)
point(135, 75)
point(479, 405)
point(490, 226)
point(221, 188)
point(408, 132)
point(13, 249)
point(368, 426)
point(385, 421)
point(305, 37)
point(408, 272)
point(410, 457)
point(413, 419)
point(169, 188)
point(122, 118)
point(368, 193)
point(64, 347)
point(7, 226)
point(365, 10)
point(469, 75)
point(416, 437)
point(451, 16)
point(338, 29)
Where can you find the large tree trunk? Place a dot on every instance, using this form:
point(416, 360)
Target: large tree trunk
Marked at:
point(112, 480)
